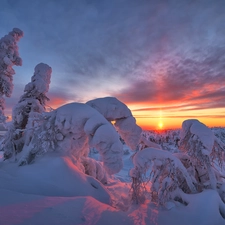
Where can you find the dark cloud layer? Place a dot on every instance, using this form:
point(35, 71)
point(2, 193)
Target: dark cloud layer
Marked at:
point(180, 80)
point(155, 52)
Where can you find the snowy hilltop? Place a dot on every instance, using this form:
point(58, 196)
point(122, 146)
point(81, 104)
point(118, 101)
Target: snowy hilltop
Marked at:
point(90, 163)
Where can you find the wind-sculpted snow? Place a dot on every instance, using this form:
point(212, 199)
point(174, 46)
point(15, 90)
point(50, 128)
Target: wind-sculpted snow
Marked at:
point(72, 129)
point(114, 110)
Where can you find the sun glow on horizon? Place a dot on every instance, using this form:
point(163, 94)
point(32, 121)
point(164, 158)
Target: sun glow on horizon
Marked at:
point(172, 117)
point(160, 125)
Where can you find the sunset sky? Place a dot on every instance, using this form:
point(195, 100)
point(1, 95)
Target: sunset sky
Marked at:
point(164, 59)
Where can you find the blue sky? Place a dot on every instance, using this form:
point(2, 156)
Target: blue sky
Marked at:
point(153, 55)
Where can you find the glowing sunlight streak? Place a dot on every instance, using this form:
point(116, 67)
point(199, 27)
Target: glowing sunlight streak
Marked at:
point(160, 125)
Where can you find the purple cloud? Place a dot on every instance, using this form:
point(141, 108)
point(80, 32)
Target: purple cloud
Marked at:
point(157, 53)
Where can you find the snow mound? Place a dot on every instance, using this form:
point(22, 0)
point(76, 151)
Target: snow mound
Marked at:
point(52, 175)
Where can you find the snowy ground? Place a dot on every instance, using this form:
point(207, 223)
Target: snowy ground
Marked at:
point(53, 191)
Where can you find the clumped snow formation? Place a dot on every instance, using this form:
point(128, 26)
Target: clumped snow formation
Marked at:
point(31, 104)
point(9, 57)
point(198, 131)
point(167, 170)
point(72, 129)
point(206, 153)
point(114, 110)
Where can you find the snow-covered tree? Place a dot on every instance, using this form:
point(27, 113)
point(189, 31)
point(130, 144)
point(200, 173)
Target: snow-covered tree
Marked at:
point(72, 129)
point(196, 168)
point(9, 56)
point(205, 151)
point(31, 103)
point(168, 176)
point(219, 133)
point(114, 110)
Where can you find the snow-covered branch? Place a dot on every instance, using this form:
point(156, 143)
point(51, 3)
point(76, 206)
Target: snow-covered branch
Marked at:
point(148, 156)
point(114, 110)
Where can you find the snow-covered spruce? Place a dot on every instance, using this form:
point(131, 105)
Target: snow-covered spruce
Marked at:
point(114, 110)
point(205, 151)
point(72, 129)
point(168, 175)
point(9, 57)
point(31, 103)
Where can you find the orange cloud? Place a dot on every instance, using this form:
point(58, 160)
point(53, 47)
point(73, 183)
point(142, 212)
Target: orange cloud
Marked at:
point(56, 102)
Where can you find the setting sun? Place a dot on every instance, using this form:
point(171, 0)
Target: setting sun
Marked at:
point(160, 125)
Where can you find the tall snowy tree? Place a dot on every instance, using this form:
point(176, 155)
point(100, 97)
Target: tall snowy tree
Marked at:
point(205, 152)
point(9, 56)
point(31, 103)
